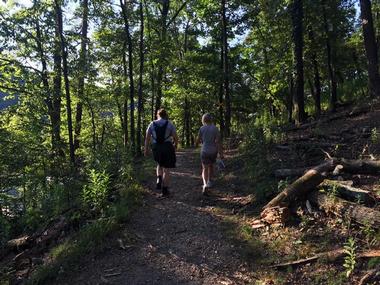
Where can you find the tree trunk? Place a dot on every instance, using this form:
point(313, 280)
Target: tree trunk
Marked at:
point(221, 100)
point(54, 119)
point(66, 79)
point(370, 48)
point(330, 63)
point(289, 103)
point(317, 79)
point(130, 73)
point(94, 136)
point(125, 109)
point(226, 84)
point(82, 73)
point(297, 18)
point(163, 36)
point(187, 122)
point(140, 95)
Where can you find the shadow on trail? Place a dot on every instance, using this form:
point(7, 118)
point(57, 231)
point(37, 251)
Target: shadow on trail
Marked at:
point(183, 239)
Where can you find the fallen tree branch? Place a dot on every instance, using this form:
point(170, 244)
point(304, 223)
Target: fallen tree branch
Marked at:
point(329, 256)
point(370, 275)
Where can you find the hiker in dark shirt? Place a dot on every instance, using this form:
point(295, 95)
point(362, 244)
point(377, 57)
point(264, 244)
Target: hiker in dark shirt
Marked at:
point(164, 139)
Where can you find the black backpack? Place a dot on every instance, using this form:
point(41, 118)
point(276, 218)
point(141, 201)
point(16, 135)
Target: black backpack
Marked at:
point(160, 132)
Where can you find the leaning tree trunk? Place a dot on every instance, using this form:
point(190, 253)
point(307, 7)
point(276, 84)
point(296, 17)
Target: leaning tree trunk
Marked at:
point(130, 73)
point(297, 17)
point(59, 23)
point(311, 179)
point(370, 47)
point(82, 72)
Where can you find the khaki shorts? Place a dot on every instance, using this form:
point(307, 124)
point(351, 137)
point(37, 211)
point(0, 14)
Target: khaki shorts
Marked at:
point(208, 158)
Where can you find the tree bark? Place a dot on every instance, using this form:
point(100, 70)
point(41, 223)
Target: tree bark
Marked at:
point(130, 73)
point(370, 48)
point(351, 193)
point(297, 18)
point(82, 73)
point(289, 99)
point(226, 80)
point(140, 95)
point(125, 107)
point(59, 23)
point(51, 101)
point(317, 79)
point(344, 209)
point(330, 62)
point(163, 36)
point(221, 97)
point(311, 179)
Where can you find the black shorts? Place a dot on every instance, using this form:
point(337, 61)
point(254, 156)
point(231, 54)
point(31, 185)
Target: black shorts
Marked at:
point(164, 154)
point(208, 158)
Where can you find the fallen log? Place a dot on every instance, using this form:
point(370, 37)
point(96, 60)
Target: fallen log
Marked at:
point(342, 208)
point(40, 239)
point(306, 183)
point(329, 256)
point(289, 172)
point(351, 193)
point(359, 166)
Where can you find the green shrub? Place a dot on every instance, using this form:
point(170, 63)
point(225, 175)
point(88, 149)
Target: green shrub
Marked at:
point(96, 191)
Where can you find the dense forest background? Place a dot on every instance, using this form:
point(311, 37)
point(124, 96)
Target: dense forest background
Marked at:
point(81, 80)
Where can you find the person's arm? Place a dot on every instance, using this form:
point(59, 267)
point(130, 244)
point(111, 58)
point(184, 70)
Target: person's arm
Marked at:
point(175, 139)
point(198, 141)
point(147, 142)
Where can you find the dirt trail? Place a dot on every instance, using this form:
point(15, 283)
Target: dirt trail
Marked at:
point(175, 240)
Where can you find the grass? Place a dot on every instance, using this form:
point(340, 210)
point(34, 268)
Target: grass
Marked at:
point(90, 238)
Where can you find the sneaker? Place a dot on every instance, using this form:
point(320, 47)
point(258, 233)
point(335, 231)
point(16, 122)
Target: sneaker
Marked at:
point(165, 191)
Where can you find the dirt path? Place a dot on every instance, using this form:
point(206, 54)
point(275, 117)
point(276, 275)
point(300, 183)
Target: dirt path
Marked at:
point(176, 240)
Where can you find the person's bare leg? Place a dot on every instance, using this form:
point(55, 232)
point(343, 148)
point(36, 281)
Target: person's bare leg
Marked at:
point(159, 172)
point(205, 174)
point(165, 177)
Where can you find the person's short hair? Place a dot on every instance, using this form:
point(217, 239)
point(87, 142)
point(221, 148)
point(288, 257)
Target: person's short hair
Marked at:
point(162, 113)
point(207, 118)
